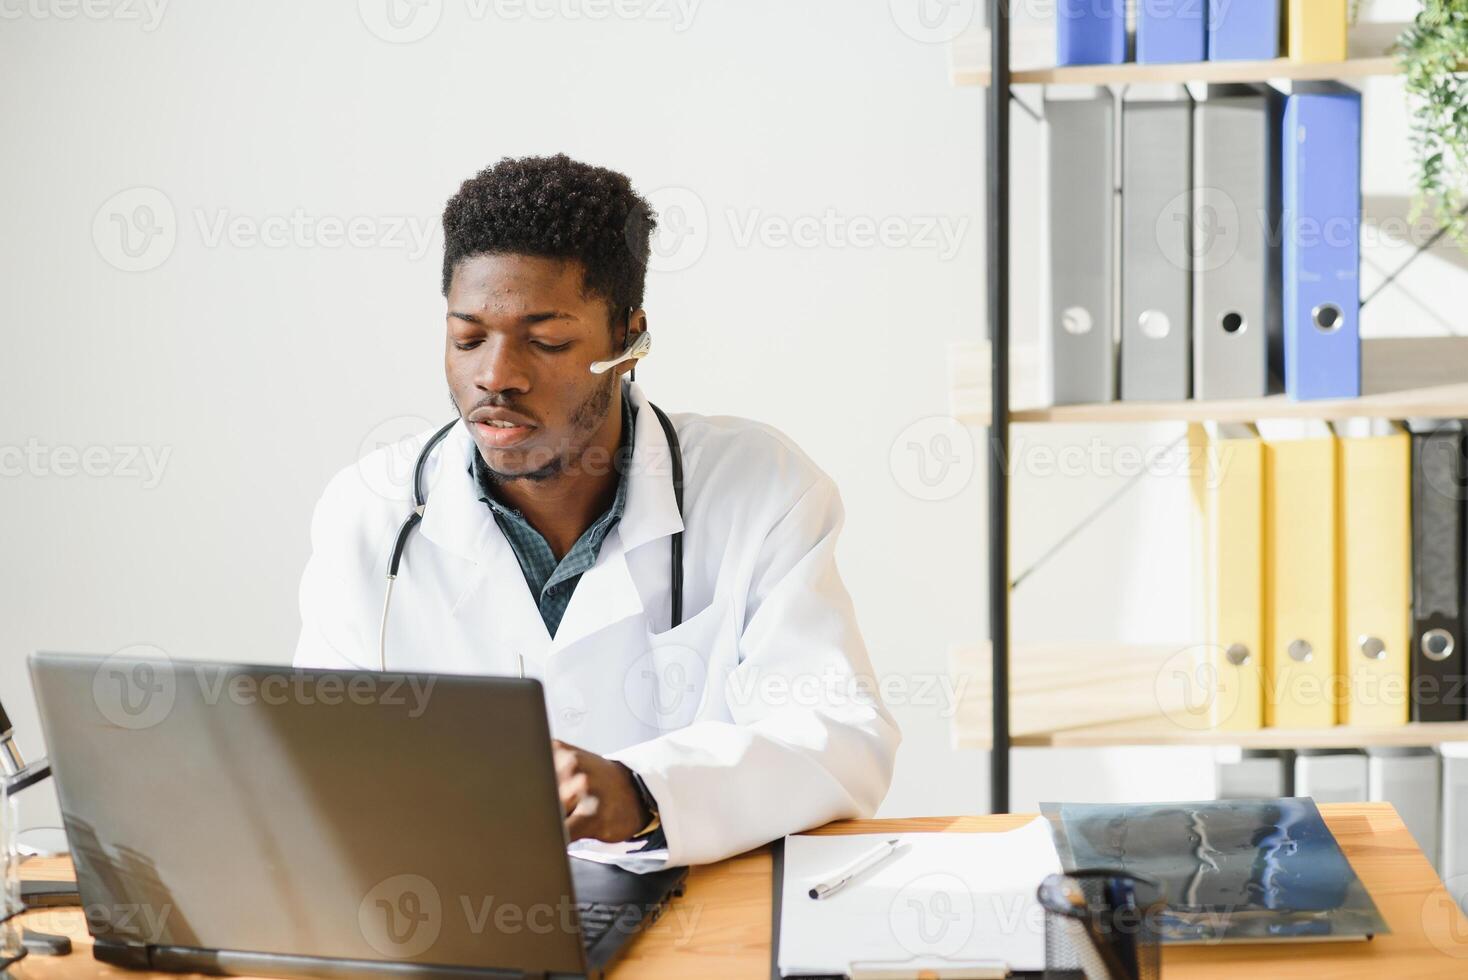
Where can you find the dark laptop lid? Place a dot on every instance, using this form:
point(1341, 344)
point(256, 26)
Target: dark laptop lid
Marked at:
point(388, 817)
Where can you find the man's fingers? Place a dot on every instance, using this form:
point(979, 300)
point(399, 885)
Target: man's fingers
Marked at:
point(582, 821)
point(566, 760)
point(574, 791)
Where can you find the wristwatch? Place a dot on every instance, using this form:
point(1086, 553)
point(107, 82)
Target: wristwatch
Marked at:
point(649, 804)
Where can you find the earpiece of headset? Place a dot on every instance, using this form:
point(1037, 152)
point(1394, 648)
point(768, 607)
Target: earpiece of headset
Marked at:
point(640, 347)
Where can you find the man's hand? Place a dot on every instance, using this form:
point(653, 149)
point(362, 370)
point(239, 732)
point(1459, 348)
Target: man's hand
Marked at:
point(598, 795)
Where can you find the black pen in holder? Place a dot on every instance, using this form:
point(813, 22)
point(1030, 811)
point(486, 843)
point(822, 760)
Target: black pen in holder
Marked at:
point(1102, 925)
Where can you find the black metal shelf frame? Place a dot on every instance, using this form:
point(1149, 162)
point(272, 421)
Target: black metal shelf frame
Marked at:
point(997, 221)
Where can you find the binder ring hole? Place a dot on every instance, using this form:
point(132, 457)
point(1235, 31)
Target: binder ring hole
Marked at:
point(1233, 323)
point(1301, 651)
point(1438, 645)
point(1327, 317)
point(1372, 648)
point(1155, 324)
point(1076, 320)
point(1237, 654)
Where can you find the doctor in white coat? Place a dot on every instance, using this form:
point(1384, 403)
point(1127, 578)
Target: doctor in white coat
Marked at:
point(544, 548)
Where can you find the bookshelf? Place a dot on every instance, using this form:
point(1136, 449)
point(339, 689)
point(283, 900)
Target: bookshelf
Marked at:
point(1109, 695)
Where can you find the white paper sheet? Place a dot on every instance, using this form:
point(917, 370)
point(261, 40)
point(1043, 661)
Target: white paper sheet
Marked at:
point(624, 855)
point(941, 900)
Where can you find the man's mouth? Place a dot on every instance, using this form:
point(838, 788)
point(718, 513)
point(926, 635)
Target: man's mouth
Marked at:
point(501, 433)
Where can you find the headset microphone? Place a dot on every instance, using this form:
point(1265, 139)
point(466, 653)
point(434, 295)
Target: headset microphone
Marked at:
point(638, 349)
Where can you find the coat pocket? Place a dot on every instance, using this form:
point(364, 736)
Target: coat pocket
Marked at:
point(679, 677)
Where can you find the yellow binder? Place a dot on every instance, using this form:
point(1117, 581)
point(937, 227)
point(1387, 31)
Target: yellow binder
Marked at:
point(1231, 500)
point(1374, 481)
point(1299, 574)
point(1316, 30)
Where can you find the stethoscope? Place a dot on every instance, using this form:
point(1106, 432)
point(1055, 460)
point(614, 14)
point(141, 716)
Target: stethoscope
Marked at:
point(638, 349)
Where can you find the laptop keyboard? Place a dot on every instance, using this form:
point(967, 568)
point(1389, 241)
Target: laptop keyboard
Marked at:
point(597, 919)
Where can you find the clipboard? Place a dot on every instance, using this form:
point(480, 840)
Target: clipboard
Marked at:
point(777, 887)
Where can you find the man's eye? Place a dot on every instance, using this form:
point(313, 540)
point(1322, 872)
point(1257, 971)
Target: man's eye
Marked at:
point(467, 344)
point(550, 348)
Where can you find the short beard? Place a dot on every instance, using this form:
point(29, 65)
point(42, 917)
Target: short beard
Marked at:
point(585, 420)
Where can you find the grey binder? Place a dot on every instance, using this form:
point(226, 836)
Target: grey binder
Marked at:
point(1254, 775)
point(1156, 244)
point(1082, 175)
point(1408, 779)
point(1237, 342)
point(1330, 776)
point(1452, 862)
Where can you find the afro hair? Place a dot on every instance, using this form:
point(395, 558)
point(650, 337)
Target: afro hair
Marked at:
point(559, 208)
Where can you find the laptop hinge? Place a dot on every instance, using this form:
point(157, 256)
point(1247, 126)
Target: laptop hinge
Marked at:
point(129, 956)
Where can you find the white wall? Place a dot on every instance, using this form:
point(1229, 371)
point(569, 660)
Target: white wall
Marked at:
point(260, 369)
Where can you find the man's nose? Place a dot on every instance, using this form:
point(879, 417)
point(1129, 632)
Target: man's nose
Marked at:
point(503, 366)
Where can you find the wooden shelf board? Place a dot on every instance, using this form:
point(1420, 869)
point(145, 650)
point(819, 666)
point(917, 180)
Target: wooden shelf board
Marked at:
point(1162, 731)
point(1107, 695)
point(973, 72)
point(1413, 377)
point(1079, 685)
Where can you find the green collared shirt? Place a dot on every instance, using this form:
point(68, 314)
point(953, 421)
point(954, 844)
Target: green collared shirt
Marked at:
point(552, 582)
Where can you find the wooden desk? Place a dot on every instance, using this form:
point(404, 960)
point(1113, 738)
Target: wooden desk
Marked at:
point(721, 927)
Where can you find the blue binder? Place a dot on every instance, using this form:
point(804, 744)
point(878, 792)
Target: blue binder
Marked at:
point(1090, 32)
point(1170, 31)
point(1322, 242)
point(1243, 30)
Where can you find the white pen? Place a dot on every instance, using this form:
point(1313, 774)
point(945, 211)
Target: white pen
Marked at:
point(870, 859)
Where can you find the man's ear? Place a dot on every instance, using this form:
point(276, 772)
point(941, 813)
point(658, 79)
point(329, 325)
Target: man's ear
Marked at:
point(636, 324)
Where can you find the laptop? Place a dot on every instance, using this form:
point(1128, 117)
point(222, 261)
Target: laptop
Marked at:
point(267, 821)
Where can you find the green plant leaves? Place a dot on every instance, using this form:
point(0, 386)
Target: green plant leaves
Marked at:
point(1432, 51)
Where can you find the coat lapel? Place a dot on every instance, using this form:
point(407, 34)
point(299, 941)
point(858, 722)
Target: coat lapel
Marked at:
point(607, 593)
point(652, 507)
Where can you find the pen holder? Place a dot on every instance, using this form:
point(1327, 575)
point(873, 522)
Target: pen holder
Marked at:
point(1102, 925)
